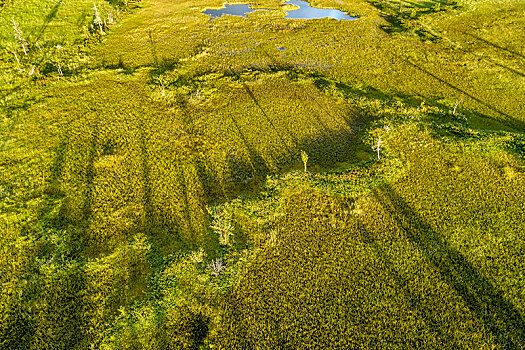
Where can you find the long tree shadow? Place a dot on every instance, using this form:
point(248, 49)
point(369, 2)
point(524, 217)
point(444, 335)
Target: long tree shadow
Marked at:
point(52, 196)
point(152, 44)
point(78, 238)
point(49, 17)
point(507, 68)
point(10, 105)
point(513, 122)
point(423, 311)
point(255, 166)
point(325, 110)
point(445, 113)
point(263, 112)
point(77, 229)
point(151, 224)
point(147, 201)
point(400, 20)
point(58, 315)
point(353, 118)
point(496, 46)
point(484, 300)
point(321, 147)
point(257, 162)
point(65, 295)
point(164, 229)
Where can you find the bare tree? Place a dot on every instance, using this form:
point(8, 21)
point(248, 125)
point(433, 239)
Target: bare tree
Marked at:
point(456, 106)
point(97, 20)
point(379, 143)
point(216, 266)
point(377, 147)
point(304, 158)
point(110, 16)
point(59, 65)
point(18, 36)
point(16, 56)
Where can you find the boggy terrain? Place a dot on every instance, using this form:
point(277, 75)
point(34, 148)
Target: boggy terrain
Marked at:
point(175, 181)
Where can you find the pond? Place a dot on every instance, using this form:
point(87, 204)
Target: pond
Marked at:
point(234, 10)
point(303, 11)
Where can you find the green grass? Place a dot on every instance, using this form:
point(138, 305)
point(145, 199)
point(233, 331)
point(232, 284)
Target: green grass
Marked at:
point(431, 260)
point(172, 140)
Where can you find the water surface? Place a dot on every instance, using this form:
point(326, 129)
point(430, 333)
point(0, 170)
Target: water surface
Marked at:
point(305, 11)
point(234, 10)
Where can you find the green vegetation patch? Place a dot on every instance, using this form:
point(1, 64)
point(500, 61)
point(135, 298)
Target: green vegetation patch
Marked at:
point(396, 268)
point(169, 180)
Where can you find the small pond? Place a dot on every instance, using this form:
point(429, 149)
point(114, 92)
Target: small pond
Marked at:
point(234, 10)
point(304, 11)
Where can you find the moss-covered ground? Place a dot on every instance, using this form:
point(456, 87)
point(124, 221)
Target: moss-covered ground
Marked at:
point(153, 193)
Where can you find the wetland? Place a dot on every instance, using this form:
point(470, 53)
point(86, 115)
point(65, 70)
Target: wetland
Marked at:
point(293, 9)
point(266, 175)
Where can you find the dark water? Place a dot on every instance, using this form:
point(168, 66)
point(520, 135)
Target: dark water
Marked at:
point(305, 11)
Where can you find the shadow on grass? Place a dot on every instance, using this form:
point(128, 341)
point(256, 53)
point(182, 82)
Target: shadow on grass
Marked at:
point(52, 191)
point(484, 300)
point(160, 232)
point(164, 227)
point(490, 59)
point(424, 311)
point(12, 104)
point(324, 83)
point(77, 231)
point(152, 44)
point(496, 46)
point(513, 122)
point(257, 162)
point(263, 112)
point(405, 17)
point(146, 177)
point(507, 68)
point(49, 17)
point(81, 19)
point(77, 239)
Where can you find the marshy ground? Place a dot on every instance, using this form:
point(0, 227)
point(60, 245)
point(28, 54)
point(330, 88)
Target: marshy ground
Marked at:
point(153, 193)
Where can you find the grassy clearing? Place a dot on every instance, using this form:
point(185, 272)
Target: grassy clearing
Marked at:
point(41, 36)
point(358, 53)
point(152, 194)
point(395, 268)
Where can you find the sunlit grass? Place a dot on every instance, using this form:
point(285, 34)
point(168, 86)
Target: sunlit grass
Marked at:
point(122, 155)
